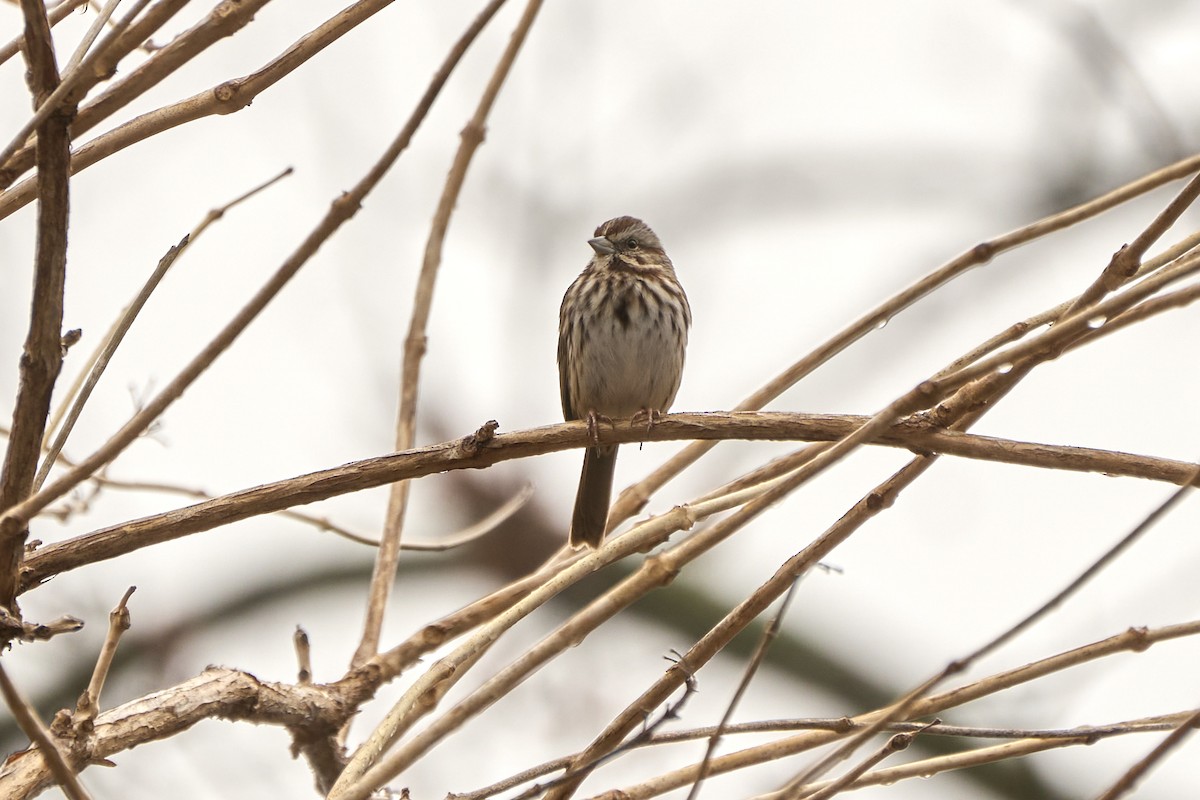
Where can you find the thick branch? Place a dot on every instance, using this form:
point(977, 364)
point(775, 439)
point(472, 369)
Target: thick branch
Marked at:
point(310, 712)
point(41, 359)
point(480, 451)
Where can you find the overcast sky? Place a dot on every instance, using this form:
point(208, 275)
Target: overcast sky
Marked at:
point(801, 162)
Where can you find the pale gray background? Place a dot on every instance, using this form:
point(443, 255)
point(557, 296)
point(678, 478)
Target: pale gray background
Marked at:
point(801, 161)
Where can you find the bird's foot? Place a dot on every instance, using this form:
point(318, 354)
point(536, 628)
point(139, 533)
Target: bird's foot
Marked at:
point(650, 415)
point(593, 425)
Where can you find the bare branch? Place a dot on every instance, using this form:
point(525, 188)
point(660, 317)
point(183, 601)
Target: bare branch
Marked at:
point(386, 559)
point(27, 718)
point(81, 49)
point(89, 702)
point(1134, 640)
point(224, 98)
point(894, 744)
point(72, 77)
point(341, 210)
point(1128, 781)
point(634, 498)
point(932, 766)
point(760, 652)
point(469, 453)
point(41, 359)
point(900, 709)
point(55, 16)
point(127, 36)
point(82, 390)
point(1126, 261)
point(107, 349)
point(310, 712)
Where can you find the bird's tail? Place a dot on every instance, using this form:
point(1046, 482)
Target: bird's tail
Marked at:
point(595, 491)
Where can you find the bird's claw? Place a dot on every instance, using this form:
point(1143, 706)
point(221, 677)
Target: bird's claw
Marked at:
point(651, 415)
point(593, 425)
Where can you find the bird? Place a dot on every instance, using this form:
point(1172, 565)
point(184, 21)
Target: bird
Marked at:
point(622, 334)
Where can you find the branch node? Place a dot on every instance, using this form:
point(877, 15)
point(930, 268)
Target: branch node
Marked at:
point(660, 573)
point(877, 500)
point(480, 438)
point(226, 95)
point(70, 339)
point(61, 726)
point(38, 631)
point(1141, 640)
point(303, 656)
point(474, 134)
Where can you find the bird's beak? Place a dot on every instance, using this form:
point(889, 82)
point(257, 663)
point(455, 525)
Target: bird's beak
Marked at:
point(602, 245)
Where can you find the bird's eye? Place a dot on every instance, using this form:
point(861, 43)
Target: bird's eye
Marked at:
point(631, 243)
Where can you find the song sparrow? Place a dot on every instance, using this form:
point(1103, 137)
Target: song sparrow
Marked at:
point(622, 330)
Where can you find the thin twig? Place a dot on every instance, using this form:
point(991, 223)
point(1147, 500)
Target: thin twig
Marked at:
point(93, 31)
point(755, 662)
point(471, 533)
point(227, 97)
point(217, 213)
point(895, 744)
point(103, 356)
point(901, 708)
point(841, 725)
point(383, 576)
point(129, 33)
point(1125, 262)
point(879, 498)
point(1128, 781)
point(634, 498)
point(341, 210)
point(923, 768)
point(995, 376)
point(479, 529)
point(61, 96)
point(82, 390)
point(1075, 585)
point(33, 727)
point(89, 702)
point(983, 383)
point(971, 391)
point(673, 711)
point(1134, 640)
point(1020, 329)
point(55, 15)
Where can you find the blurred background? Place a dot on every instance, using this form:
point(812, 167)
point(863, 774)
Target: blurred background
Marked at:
point(802, 162)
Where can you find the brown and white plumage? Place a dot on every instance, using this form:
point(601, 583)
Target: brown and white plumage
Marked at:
point(623, 331)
